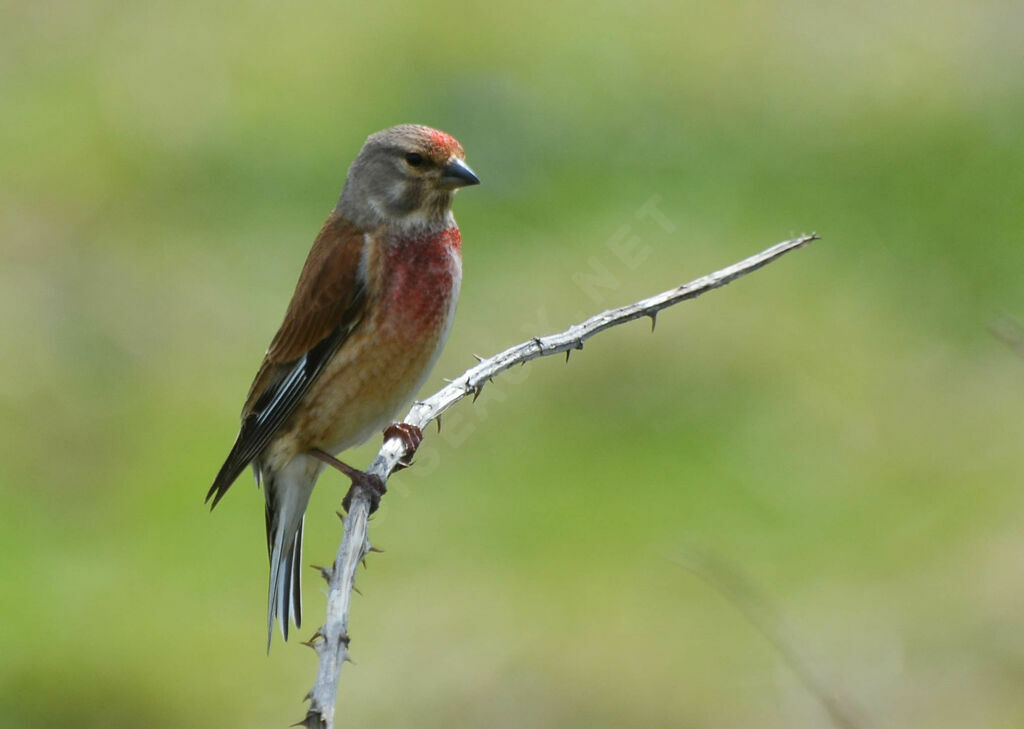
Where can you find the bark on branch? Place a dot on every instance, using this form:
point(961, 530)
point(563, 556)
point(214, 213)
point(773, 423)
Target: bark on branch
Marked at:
point(331, 640)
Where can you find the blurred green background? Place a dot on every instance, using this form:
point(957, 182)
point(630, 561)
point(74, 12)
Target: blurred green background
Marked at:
point(840, 427)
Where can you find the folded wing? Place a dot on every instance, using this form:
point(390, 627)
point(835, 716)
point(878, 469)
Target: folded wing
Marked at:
point(327, 306)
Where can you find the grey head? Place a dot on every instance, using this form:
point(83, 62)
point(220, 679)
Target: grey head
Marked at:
point(405, 176)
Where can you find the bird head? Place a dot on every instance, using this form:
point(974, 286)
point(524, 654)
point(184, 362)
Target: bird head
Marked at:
point(407, 176)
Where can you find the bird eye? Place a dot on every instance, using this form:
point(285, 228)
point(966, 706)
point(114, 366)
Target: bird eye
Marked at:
point(414, 159)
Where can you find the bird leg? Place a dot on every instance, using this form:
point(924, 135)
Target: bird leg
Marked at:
point(371, 484)
point(411, 437)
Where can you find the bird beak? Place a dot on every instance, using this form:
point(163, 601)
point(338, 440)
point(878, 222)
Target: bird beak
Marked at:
point(457, 174)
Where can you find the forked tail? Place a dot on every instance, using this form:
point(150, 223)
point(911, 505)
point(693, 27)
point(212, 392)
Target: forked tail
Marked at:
point(287, 493)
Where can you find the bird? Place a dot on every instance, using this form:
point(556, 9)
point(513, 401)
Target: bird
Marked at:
point(369, 317)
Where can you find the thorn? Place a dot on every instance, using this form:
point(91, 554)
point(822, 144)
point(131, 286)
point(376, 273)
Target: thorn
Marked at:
point(344, 640)
point(357, 590)
point(478, 358)
point(477, 391)
point(438, 420)
point(313, 720)
point(348, 659)
point(375, 549)
point(567, 354)
point(654, 319)
point(313, 640)
point(326, 572)
point(340, 515)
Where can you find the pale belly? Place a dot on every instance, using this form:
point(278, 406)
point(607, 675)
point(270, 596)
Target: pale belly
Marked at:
point(365, 387)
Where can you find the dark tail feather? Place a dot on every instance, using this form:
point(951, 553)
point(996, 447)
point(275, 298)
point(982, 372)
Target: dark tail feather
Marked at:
point(290, 584)
point(297, 576)
point(284, 599)
point(286, 506)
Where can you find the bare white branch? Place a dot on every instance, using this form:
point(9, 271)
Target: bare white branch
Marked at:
point(331, 640)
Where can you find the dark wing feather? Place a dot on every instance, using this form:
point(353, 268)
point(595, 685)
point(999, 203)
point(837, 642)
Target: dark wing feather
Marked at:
point(327, 305)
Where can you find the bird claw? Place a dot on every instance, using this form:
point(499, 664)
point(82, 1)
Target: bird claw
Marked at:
point(373, 486)
point(411, 437)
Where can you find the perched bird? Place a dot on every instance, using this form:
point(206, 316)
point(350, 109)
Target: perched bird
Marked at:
point(368, 319)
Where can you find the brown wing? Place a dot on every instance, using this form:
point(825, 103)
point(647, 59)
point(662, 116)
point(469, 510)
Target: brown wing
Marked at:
point(326, 306)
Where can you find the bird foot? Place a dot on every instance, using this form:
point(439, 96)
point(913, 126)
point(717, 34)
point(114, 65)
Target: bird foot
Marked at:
point(372, 485)
point(411, 436)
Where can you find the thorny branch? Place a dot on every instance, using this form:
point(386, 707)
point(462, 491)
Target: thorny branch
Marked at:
point(331, 640)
